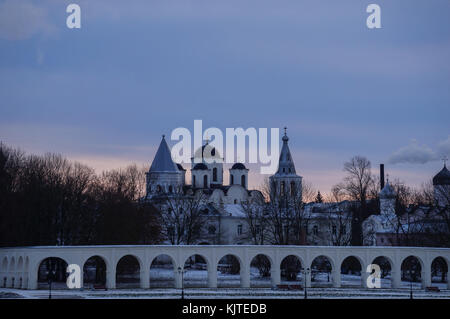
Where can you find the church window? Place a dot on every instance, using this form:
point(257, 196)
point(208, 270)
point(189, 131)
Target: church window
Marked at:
point(282, 188)
point(158, 188)
point(292, 189)
point(232, 179)
point(316, 230)
point(284, 170)
point(205, 181)
point(193, 181)
point(239, 230)
point(243, 180)
point(215, 174)
point(235, 201)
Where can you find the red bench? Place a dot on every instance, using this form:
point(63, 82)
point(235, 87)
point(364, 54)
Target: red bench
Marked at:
point(433, 288)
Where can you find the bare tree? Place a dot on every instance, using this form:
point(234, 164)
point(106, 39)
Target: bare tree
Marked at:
point(286, 218)
point(182, 217)
point(257, 222)
point(356, 187)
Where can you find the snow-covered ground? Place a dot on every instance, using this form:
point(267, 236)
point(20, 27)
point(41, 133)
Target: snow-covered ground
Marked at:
point(196, 281)
point(227, 293)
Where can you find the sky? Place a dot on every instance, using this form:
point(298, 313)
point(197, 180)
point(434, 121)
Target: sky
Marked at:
point(104, 94)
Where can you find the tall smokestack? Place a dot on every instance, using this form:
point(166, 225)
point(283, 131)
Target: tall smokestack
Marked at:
point(382, 176)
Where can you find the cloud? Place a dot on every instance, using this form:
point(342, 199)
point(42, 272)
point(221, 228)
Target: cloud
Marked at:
point(413, 153)
point(20, 20)
point(444, 147)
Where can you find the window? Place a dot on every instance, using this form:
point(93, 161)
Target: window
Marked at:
point(158, 188)
point(292, 189)
point(316, 230)
point(282, 188)
point(211, 230)
point(193, 181)
point(205, 181)
point(215, 174)
point(239, 230)
point(235, 201)
point(243, 180)
point(232, 179)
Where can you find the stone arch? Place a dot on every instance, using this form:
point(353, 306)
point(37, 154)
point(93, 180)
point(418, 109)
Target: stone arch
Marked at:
point(162, 271)
point(196, 267)
point(229, 271)
point(94, 271)
point(411, 270)
point(351, 271)
point(54, 268)
point(128, 271)
point(260, 270)
point(322, 267)
point(291, 269)
point(439, 270)
point(386, 268)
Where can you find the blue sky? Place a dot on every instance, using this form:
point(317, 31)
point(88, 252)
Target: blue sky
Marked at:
point(104, 94)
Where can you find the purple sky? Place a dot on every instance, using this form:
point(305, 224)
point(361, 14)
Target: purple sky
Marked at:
point(138, 69)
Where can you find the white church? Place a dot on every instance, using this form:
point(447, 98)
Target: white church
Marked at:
point(224, 201)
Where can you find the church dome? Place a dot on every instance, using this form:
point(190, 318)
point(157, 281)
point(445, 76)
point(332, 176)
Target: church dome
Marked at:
point(238, 166)
point(207, 151)
point(387, 191)
point(442, 178)
point(200, 166)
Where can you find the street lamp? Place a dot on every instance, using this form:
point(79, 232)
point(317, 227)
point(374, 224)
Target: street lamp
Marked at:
point(306, 272)
point(181, 271)
point(50, 277)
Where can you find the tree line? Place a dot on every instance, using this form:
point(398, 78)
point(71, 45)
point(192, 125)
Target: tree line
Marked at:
point(48, 200)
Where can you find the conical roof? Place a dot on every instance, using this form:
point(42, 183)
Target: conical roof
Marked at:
point(163, 159)
point(285, 163)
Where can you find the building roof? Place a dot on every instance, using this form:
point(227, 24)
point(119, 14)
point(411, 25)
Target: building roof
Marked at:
point(180, 167)
point(163, 159)
point(443, 177)
point(285, 164)
point(238, 166)
point(388, 191)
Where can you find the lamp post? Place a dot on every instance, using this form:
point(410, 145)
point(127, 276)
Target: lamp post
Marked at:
point(306, 272)
point(181, 271)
